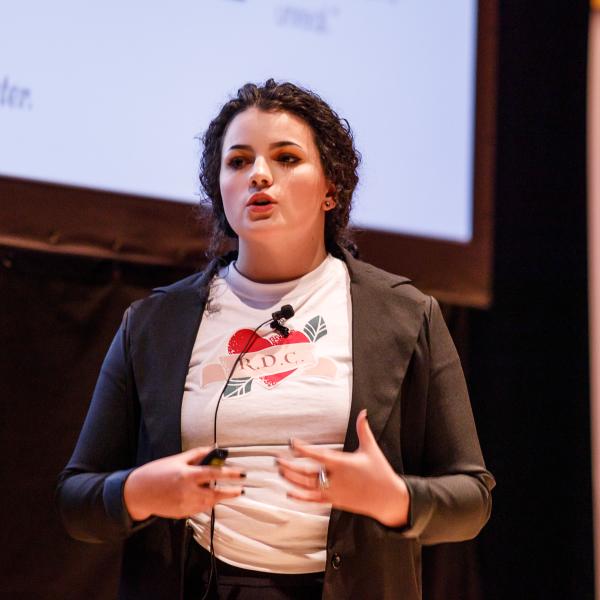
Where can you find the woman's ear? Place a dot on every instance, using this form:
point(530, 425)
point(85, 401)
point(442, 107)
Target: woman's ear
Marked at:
point(330, 201)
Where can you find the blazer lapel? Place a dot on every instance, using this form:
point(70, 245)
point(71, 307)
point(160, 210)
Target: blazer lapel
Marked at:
point(387, 317)
point(161, 363)
point(386, 321)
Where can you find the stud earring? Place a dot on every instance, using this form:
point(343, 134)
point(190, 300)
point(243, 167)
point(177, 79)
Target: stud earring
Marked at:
point(327, 204)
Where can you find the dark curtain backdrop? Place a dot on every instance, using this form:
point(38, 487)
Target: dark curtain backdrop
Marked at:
point(529, 354)
point(58, 317)
point(526, 357)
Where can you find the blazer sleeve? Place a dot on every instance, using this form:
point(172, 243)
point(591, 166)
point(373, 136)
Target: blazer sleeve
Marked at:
point(90, 488)
point(451, 500)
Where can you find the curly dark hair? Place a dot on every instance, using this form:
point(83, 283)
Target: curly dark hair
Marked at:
point(333, 138)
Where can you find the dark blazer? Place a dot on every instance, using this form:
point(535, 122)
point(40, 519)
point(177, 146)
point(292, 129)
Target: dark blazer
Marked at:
point(405, 372)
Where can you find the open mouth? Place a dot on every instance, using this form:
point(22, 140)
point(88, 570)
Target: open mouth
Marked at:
point(260, 200)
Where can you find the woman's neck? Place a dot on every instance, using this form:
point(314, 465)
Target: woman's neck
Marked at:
point(265, 264)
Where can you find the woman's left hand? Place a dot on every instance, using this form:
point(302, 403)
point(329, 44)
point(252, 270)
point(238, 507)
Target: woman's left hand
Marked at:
point(361, 482)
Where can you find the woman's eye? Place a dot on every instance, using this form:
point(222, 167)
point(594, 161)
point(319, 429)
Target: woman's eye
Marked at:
point(288, 159)
point(237, 162)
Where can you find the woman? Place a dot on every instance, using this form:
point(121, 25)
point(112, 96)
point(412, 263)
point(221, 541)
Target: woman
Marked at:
point(366, 366)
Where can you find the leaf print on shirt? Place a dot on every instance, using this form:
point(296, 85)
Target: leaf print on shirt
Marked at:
point(315, 329)
point(237, 387)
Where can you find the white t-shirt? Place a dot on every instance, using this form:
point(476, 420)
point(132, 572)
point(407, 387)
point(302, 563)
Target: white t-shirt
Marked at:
point(297, 386)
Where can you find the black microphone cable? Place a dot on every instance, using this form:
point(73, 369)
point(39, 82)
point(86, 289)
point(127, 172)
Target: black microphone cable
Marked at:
point(276, 320)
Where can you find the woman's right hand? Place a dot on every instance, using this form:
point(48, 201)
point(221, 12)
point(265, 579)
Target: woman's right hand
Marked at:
point(175, 486)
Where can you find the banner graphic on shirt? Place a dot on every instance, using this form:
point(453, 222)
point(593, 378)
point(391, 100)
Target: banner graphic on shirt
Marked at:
point(270, 359)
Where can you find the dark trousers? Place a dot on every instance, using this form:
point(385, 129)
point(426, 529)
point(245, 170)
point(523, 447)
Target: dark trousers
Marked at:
point(231, 583)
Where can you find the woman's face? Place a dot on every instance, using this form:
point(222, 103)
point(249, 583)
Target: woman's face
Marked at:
point(272, 181)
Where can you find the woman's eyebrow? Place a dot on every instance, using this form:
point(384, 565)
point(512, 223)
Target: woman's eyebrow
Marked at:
point(273, 145)
point(284, 143)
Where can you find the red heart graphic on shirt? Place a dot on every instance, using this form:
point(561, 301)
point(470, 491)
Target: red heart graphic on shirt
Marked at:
point(238, 341)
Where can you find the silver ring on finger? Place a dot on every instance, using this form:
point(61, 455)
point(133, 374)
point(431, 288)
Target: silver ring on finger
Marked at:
point(323, 479)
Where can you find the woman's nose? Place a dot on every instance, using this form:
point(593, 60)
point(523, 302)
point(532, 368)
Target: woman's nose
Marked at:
point(260, 175)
